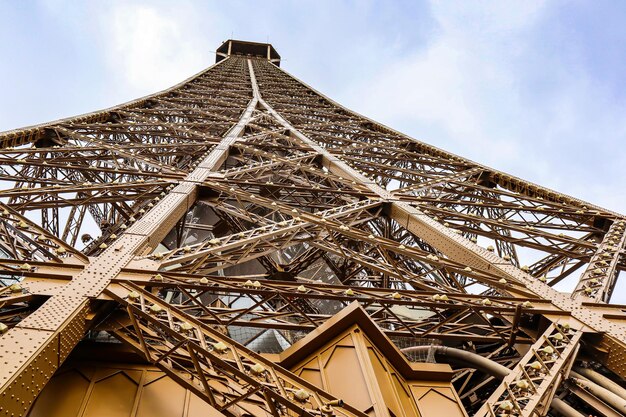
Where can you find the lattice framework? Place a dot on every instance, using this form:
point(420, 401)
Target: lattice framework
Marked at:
point(243, 199)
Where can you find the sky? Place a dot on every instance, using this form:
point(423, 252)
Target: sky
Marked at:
point(532, 88)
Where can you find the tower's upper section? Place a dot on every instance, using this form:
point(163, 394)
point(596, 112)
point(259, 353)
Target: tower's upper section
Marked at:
point(235, 47)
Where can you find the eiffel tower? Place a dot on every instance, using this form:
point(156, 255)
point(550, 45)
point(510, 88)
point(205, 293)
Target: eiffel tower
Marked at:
point(241, 245)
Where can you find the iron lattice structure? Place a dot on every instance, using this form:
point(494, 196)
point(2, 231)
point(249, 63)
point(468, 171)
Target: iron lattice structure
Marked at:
point(219, 221)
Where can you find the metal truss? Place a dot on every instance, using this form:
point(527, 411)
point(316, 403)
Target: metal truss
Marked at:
point(598, 280)
point(527, 390)
point(191, 223)
point(227, 375)
point(304, 305)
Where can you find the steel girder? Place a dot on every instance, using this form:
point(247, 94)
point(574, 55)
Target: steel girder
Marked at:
point(322, 206)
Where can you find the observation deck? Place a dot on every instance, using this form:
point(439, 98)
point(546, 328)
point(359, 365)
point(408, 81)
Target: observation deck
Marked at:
point(245, 48)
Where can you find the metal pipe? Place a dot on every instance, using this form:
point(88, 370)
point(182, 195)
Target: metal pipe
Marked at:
point(475, 361)
point(564, 408)
point(604, 394)
point(490, 367)
point(601, 380)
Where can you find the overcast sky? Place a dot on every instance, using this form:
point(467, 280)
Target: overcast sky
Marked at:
point(532, 88)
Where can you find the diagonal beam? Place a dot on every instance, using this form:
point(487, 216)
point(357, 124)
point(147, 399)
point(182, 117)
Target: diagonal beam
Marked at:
point(462, 249)
point(528, 390)
point(63, 319)
point(191, 351)
point(596, 283)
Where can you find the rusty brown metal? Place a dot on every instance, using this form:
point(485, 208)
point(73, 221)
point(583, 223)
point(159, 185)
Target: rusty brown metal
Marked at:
point(241, 210)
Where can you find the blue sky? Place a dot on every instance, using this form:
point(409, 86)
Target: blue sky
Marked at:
point(532, 88)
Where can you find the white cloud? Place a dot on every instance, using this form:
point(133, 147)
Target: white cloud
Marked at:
point(471, 91)
point(150, 49)
point(456, 82)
